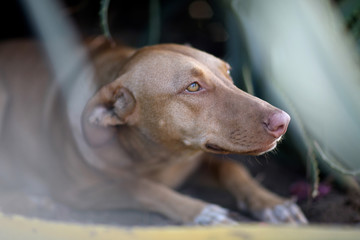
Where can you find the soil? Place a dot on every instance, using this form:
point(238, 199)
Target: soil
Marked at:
point(335, 207)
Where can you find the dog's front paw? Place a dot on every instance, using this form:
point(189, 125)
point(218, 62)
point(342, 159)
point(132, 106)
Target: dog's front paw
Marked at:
point(214, 215)
point(287, 212)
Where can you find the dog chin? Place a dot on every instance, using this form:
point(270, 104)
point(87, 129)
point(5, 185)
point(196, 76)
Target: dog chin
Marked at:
point(270, 148)
point(266, 149)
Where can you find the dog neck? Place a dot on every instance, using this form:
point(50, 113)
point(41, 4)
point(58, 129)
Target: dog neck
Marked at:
point(133, 151)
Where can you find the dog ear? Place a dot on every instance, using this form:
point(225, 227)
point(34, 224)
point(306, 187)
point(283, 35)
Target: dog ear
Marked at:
point(104, 112)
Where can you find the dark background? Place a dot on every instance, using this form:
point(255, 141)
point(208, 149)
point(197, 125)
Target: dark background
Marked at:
point(129, 21)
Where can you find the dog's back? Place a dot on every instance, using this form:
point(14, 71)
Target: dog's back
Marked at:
point(24, 78)
point(37, 151)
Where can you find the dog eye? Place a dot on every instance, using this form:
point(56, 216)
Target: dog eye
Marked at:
point(194, 87)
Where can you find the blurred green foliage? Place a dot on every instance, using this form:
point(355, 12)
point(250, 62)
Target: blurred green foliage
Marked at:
point(350, 9)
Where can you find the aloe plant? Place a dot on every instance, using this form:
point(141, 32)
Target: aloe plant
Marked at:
point(309, 66)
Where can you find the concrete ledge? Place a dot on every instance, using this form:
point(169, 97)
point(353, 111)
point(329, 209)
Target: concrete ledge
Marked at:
point(17, 227)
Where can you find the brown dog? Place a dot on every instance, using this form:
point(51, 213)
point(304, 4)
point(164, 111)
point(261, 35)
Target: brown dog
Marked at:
point(159, 113)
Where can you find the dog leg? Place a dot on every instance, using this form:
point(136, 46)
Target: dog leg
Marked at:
point(251, 196)
point(149, 196)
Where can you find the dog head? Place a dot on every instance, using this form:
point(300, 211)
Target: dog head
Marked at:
point(179, 96)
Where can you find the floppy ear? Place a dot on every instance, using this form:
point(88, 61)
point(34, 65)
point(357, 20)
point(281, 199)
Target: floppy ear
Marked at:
point(104, 112)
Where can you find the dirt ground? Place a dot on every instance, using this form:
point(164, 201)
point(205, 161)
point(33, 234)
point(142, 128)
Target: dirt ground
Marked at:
point(334, 207)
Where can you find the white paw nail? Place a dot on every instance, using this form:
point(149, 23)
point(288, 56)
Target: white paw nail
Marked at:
point(288, 212)
point(213, 215)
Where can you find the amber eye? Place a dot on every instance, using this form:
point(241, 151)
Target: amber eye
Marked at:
point(194, 87)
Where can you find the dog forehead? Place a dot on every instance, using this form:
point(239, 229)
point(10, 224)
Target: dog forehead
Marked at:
point(168, 68)
point(156, 66)
point(181, 52)
point(164, 71)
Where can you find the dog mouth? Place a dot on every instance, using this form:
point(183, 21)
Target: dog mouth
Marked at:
point(219, 150)
point(215, 148)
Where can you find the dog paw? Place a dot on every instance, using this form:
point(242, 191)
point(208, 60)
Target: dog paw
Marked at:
point(288, 212)
point(214, 215)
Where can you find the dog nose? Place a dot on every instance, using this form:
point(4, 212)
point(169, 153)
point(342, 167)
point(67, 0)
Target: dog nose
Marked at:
point(277, 124)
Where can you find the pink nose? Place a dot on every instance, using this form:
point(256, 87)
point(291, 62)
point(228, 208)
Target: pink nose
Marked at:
point(277, 124)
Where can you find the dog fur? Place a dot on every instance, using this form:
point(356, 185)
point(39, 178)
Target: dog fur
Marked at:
point(144, 129)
